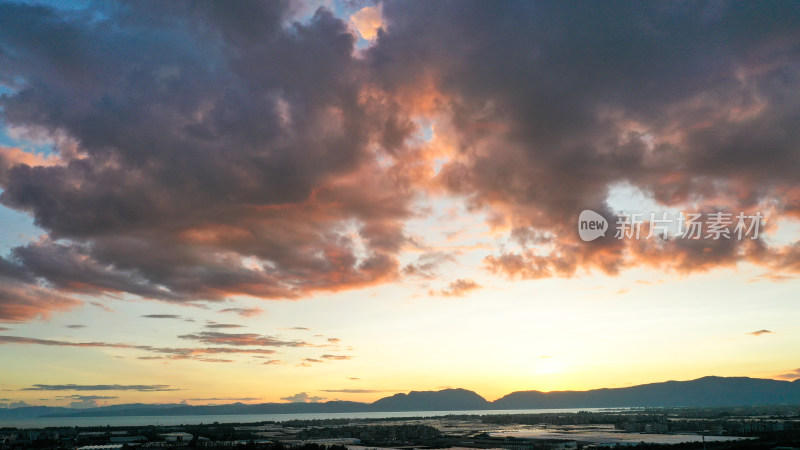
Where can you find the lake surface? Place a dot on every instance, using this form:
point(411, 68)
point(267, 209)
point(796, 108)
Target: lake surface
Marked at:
point(605, 434)
point(42, 422)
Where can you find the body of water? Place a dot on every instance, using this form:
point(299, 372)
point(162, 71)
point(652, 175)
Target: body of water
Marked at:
point(42, 422)
point(606, 434)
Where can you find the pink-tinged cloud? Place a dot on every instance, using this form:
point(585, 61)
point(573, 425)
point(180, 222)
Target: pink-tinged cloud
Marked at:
point(12, 156)
point(367, 22)
point(459, 288)
point(533, 167)
point(244, 312)
point(22, 302)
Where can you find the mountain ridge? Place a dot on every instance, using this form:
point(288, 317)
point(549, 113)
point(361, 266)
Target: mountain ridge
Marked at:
point(706, 391)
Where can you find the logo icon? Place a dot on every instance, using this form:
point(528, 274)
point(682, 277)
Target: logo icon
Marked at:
point(591, 225)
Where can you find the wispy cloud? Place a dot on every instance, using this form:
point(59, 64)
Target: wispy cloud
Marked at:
point(760, 332)
point(102, 387)
point(427, 264)
point(76, 326)
point(773, 277)
point(359, 391)
point(215, 325)
point(161, 316)
point(791, 376)
point(88, 397)
point(336, 357)
point(199, 354)
point(244, 312)
point(102, 306)
point(214, 337)
point(459, 288)
point(86, 401)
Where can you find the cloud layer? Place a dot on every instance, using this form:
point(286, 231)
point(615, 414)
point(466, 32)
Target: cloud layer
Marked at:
point(203, 152)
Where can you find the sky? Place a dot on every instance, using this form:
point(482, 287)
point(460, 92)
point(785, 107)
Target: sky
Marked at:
point(297, 201)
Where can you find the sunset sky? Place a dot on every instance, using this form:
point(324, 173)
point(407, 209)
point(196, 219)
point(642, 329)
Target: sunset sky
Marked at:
point(276, 201)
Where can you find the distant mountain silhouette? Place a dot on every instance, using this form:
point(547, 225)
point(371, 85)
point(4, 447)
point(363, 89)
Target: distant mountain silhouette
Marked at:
point(707, 391)
point(444, 400)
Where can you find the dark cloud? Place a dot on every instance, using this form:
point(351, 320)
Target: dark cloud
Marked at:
point(201, 152)
point(550, 105)
point(204, 152)
point(76, 326)
point(760, 332)
point(225, 399)
point(101, 387)
point(162, 316)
